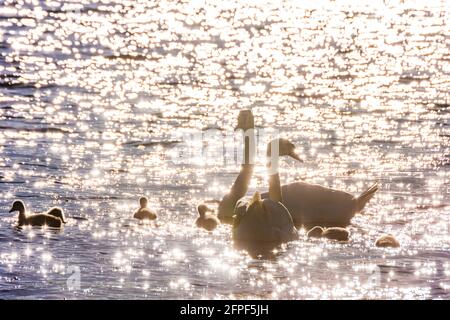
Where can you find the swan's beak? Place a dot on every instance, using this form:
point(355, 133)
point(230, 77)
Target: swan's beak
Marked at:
point(12, 210)
point(294, 155)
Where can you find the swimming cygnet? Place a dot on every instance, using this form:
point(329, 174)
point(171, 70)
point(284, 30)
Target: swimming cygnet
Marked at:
point(387, 241)
point(315, 232)
point(52, 218)
point(336, 233)
point(333, 233)
point(206, 221)
point(144, 213)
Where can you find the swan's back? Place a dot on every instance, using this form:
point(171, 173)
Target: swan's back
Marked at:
point(42, 219)
point(269, 221)
point(313, 205)
point(145, 214)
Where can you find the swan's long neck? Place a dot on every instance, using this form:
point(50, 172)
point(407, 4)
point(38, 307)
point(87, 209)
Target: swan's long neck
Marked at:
point(273, 171)
point(22, 217)
point(240, 185)
point(249, 146)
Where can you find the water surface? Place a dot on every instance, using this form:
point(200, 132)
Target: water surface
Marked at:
point(98, 97)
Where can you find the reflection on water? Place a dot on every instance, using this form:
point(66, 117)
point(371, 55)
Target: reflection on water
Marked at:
point(94, 97)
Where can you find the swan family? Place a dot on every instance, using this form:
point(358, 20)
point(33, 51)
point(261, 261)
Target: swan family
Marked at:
point(271, 217)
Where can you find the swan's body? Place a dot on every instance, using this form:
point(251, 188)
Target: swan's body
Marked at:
point(313, 205)
point(263, 221)
point(309, 204)
point(53, 218)
point(144, 213)
point(206, 221)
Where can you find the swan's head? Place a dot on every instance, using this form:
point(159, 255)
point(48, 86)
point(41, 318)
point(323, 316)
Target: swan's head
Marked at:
point(143, 201)
point(202, 209)
point(285, 148)
point(18, 206)
point(246, 120)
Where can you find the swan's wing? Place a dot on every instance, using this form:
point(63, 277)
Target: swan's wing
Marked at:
point(311, 203)
point(241, 206)
point(250, 223)
point(277, 213)
point(226, 208)
point(269, 222)
point(280, 220)
point(239, 211)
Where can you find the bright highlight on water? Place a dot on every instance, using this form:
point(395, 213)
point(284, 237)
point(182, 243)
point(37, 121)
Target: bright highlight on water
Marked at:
point(135, 136)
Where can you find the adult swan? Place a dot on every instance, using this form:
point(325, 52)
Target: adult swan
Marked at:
point(309, 204)
point(267, 221)
point(240, 186)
